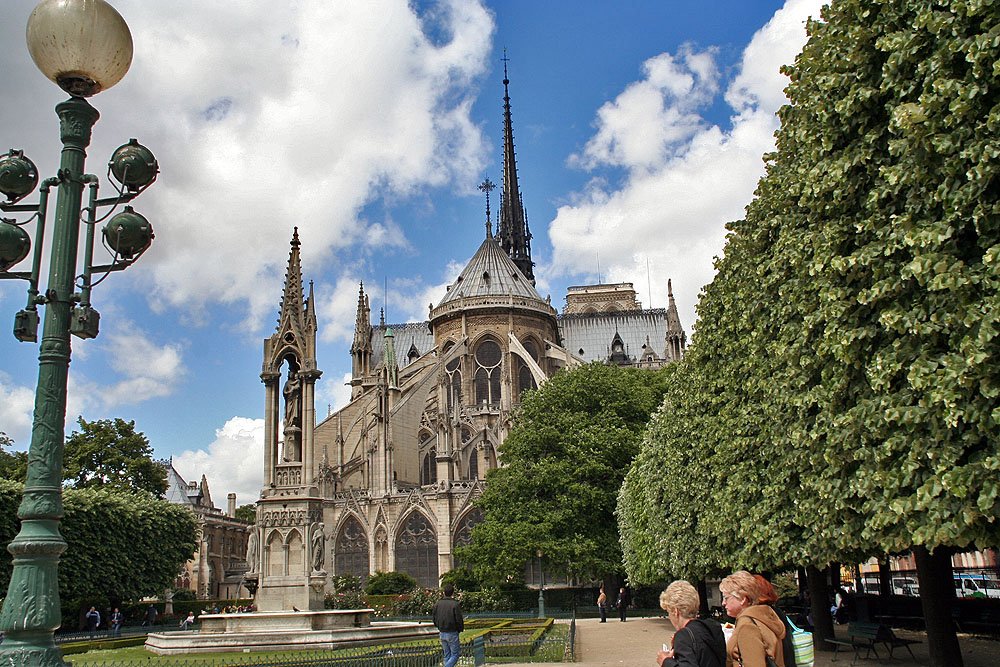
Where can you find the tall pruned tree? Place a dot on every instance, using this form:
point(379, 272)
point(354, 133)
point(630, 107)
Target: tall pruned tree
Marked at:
point(111, 453)
point(563, 463)
point(121, 545)
point(875, 238)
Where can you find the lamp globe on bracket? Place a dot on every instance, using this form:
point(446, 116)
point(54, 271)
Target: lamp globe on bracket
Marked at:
point(18, 176)
point(84, 46)
point(128, 233)
point(133, 165)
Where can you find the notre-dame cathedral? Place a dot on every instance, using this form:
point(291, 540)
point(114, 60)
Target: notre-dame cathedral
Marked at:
point(388, 482)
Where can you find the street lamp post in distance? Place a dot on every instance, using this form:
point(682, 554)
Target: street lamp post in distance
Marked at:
point(541, 586)
point(84, 46)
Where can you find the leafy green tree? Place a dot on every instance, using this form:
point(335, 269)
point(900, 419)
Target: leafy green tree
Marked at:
point(121, 546)
point(863, 288)
point(110, 452)
point(247, 512)
point(563, 463)
point(13, 465)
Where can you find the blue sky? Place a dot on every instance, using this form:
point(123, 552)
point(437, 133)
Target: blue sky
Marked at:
point(639, 129)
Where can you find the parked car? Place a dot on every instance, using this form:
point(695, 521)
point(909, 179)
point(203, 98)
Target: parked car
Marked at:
point(905, 586)
point(976, 586)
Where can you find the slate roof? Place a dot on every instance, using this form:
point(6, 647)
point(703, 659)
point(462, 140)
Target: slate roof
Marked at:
point(417, 334)
point(490, 272)
point(589, 335)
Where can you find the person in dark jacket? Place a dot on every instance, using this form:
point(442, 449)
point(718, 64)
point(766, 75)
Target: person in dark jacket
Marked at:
point(93, 621)
point(622, 603)
point(696, 642)
point(448, 620)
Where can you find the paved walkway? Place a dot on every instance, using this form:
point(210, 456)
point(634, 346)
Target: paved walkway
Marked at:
point(635, 643)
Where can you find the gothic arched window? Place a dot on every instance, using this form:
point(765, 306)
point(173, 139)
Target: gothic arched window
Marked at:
point(474, 464)
point(350, 554)
point(428, 471)
point(525, 380)
point(463, 531)
point(454, 371)
point(416, 550)
point(487, 378)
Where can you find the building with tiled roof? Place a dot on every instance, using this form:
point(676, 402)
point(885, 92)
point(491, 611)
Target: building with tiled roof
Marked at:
point(217, 567)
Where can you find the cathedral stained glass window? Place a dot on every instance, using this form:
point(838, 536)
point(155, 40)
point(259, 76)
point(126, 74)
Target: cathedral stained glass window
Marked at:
point(416, 550)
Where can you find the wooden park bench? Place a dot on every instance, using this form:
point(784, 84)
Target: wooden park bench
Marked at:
point(987, 618)
point(868, 637)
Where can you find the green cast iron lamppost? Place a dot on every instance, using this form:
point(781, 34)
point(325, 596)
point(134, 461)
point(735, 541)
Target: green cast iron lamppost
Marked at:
point(85, 47)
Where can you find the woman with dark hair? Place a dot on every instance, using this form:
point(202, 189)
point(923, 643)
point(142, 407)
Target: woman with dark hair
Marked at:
point(768, 596)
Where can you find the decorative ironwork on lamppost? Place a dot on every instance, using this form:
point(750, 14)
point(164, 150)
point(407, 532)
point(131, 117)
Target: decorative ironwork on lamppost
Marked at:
point(85, 47)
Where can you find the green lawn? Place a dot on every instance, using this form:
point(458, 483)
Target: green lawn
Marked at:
point(137, 655)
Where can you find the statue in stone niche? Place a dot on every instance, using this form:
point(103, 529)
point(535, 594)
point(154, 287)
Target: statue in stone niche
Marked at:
point(293, 399)
point(318, 547)
point(292, 392)
point(252, 551)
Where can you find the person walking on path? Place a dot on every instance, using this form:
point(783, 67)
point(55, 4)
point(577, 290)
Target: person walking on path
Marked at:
point(116, 622)
point(696, 642)
point(150, 615)
point(622, 604)
point(448, 620)
point(93, 621)
point(602, 604)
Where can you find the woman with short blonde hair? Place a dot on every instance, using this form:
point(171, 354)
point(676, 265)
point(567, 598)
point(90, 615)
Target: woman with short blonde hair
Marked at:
point(758, 631)
point(696, 643)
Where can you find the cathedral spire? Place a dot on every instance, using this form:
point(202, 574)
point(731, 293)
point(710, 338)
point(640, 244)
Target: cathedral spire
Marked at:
point(512, 232)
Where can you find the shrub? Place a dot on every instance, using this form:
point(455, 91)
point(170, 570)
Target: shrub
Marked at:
point(181, 594)
point(418, 602)
point(345, 582)
point(488, 599)
point(388, 583)
point(345, 600)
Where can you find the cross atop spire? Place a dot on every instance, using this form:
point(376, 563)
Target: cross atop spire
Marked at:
point(488, 186)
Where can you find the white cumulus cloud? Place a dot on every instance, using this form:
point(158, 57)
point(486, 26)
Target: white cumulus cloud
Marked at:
point(232, 463)
point(682, 178)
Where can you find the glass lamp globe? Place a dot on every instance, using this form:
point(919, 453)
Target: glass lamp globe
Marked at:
point(84, 46)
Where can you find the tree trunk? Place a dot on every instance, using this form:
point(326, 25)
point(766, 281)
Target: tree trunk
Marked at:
point(703, 598)
point(859, 585)
point(803, 583)
point(834, 576)
point(884, 578)
point(937, 598)
point(819, 605)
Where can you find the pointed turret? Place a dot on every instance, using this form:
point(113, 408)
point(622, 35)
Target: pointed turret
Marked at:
point(512, 232)
point(361, 348)
point(676, 339)
point(391, 365)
